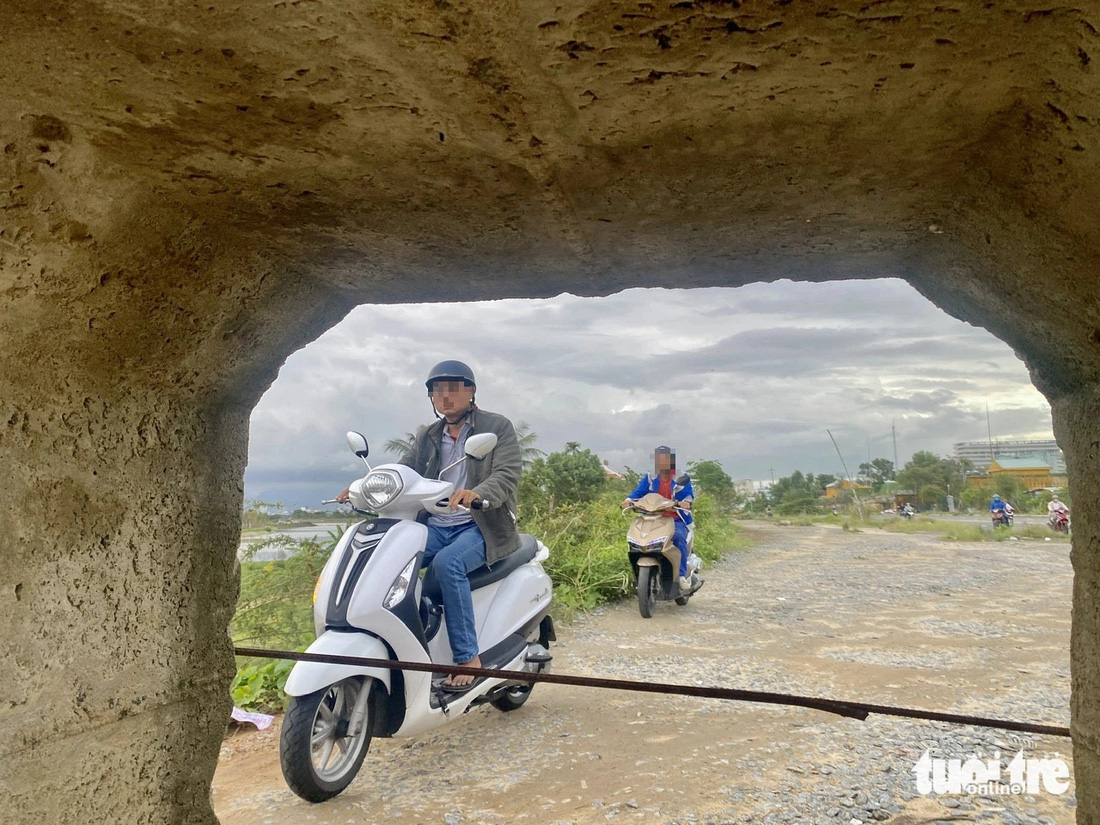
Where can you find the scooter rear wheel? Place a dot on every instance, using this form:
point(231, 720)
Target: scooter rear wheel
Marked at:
point(513, 698)
point(319, 751)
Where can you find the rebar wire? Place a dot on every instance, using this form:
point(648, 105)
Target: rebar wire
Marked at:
point(848, 709)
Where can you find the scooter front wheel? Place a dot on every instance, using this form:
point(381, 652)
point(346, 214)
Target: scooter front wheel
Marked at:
point(645, 591)
point(325, 738)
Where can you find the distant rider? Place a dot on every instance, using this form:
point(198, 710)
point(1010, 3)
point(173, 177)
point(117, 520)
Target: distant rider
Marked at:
point(664, 482)
point(1056, 509)
point(998, 508)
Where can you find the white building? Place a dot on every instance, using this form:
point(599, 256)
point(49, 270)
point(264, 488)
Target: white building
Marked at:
point(978, 453)
point(745, 487)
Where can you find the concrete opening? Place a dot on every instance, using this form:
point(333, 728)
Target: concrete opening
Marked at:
point(189, 195)
point(524, 350)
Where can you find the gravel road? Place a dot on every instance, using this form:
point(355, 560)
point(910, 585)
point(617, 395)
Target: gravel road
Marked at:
point(975, 628)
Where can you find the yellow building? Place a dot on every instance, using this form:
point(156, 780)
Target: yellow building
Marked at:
point(837, 488)
point(1034, 475)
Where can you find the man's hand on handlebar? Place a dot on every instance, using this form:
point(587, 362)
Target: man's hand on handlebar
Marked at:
point(463, 498)
point(627, 503)
point(345, 496)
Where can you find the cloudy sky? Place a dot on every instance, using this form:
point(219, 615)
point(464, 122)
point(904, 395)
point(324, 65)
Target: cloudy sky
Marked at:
point(751, 377)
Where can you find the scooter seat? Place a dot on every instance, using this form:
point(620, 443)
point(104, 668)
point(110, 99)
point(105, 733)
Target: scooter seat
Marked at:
point(486, 574)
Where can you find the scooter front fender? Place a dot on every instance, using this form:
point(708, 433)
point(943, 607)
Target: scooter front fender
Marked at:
point(306, 677)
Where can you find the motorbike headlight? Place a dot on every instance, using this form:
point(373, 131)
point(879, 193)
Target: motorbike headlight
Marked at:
point(401, 584)
point(380, 487)
point(655, 543)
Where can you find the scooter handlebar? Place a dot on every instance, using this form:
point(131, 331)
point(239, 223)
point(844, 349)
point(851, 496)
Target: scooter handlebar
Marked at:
point(476, 504)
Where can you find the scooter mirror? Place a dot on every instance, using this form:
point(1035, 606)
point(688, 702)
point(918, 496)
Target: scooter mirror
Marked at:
point(480, 445)
point(357, 442)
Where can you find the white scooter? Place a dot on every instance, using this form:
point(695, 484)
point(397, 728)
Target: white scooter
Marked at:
point(371, 602)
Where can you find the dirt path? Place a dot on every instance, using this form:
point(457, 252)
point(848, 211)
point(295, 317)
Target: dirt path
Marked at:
point(885, 618)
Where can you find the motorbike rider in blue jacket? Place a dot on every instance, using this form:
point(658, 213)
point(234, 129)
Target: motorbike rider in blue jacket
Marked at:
point(664, 482)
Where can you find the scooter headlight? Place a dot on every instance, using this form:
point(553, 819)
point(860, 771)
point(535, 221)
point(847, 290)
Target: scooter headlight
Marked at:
point(401, 584)
point(381, 487)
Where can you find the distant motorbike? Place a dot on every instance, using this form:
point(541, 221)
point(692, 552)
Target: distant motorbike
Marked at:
point(905, 512)
point(1059, 521)
point(1003, 518)
point(654, 559)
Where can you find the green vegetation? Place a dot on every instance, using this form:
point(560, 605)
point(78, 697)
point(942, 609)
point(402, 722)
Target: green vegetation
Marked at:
point(275, 610)
point(795, 494)
point(933, 478)
point(876, 473)
point(948, 530)
point(568, 477)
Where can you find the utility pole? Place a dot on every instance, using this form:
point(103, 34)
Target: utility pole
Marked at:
point(852, 484)
point(989, 433)
point(772, 471)
point(894, 435)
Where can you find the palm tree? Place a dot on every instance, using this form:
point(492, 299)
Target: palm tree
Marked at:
point(403, 446)
point(528, 452)
point(526, 438)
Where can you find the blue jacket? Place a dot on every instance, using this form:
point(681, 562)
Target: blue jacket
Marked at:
point(680, 492)
point(997, 505)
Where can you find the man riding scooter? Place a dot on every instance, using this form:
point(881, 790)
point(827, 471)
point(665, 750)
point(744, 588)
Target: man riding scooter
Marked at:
point(465, 539)
point(1000, 511)
point(1058, 515)
point(664, 482)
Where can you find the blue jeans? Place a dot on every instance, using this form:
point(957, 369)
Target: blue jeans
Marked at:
point(680, 539)
point(455, 552)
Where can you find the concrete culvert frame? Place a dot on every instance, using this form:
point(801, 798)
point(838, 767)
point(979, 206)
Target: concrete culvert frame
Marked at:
point(188, 193)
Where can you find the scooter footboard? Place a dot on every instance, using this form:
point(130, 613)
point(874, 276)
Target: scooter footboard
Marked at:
point(306, 677)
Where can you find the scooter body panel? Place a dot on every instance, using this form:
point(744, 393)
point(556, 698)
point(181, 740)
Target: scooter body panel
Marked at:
point(516, 601)
point(307, 677)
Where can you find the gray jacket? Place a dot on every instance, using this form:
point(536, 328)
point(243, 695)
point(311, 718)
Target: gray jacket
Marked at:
point(495, 478)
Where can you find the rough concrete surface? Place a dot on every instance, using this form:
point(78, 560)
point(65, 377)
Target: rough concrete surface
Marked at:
point(189, 192)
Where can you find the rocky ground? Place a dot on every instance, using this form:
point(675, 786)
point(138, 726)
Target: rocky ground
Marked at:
point(893, 619)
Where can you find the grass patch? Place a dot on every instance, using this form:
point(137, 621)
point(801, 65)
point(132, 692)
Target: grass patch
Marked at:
point(948, 530)
point(964, 531)
point(1029, 531)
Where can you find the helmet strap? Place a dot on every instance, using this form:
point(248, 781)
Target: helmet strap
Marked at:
point(461, 418)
